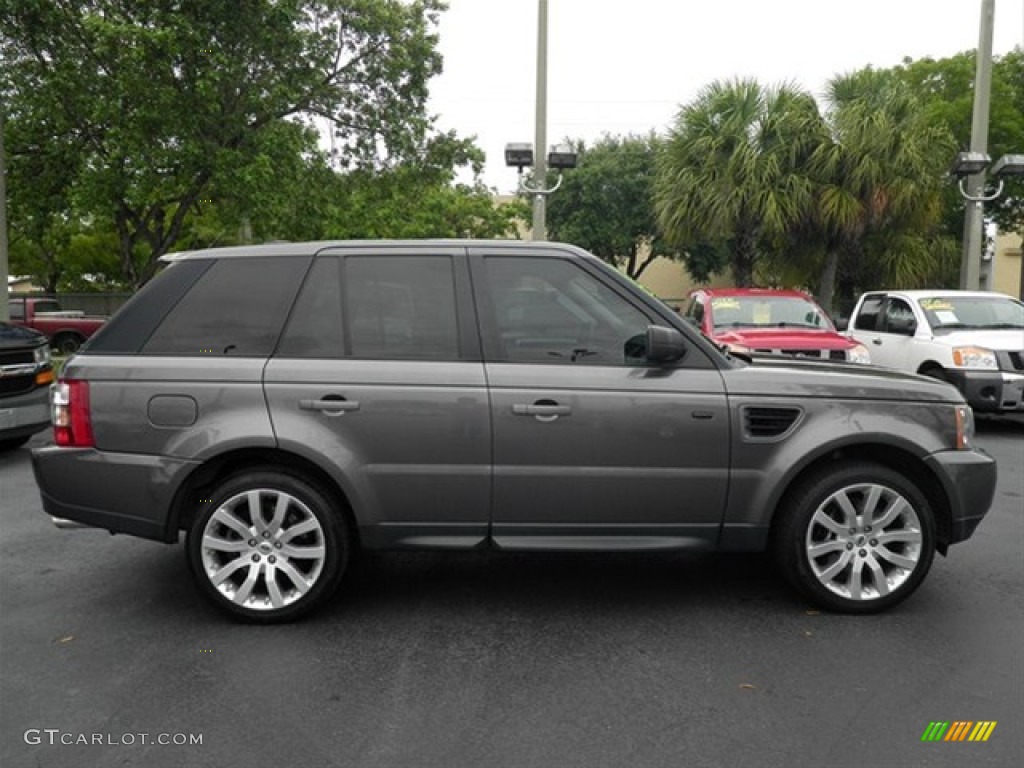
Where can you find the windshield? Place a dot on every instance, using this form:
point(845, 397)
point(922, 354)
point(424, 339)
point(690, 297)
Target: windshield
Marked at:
point(955, 313)
point(767, 312)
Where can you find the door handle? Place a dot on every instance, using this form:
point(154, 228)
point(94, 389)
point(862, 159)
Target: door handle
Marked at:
point(876, 340)
point(331, 405)
point(542, 410)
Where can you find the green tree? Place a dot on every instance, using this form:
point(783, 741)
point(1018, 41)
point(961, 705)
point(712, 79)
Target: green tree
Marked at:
point(732, 177)
point(606, 204)
point(879, 184)
point(946, 90)
point(160, 99)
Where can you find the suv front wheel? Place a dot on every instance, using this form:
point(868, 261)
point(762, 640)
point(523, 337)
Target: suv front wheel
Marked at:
point(267, 546)
point(857, 538)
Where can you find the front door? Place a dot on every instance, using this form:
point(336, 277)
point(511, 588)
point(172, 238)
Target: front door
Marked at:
point(594, 447)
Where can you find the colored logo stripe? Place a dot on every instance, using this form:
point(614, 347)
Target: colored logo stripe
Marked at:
point(982, 731)
point(958, 730)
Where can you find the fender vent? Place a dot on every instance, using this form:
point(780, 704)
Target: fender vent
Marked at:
point(763, 423)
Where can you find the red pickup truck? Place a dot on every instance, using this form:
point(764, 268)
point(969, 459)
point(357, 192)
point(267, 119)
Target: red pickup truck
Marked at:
point(67, 330)
point(771, 321)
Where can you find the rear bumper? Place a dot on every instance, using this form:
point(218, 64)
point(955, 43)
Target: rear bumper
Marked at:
point(969, 481)
point(25, 414)
point(119, 492)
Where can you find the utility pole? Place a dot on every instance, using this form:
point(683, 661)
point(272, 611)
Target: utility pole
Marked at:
point(975, 273)
point(5, 308)
point(540, 228)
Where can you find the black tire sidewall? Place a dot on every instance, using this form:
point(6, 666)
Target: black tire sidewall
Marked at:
point(790, 538)
point(336, 542)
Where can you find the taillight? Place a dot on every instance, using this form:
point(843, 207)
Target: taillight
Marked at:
point(69, 410)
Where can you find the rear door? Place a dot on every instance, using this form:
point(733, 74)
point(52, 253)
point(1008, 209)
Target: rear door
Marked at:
point(593, 446)
point(379, 373)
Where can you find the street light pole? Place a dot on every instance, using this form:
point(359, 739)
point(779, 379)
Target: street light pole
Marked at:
point(976, 274)
point(5, 308)
point(540, 139)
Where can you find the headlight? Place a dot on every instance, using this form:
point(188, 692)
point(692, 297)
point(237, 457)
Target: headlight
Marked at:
point(859, 354)
point(964, 428)
point(974, 357)
point(42, 355)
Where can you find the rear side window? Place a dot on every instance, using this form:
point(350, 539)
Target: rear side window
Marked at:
point(867, 317)
point(237, 308)
point(314, 329)
point(400, 307)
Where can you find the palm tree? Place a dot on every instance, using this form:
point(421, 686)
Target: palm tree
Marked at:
point(733, 171)
point(879, 185)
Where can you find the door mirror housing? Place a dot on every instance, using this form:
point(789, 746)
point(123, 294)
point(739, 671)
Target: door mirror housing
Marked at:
point(664, 345)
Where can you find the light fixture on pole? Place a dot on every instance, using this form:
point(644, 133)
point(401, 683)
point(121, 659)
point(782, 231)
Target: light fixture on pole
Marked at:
point(972, 165)
point(520, 155)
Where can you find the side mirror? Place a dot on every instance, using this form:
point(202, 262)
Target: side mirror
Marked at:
point(842, 323)
point(664, 345)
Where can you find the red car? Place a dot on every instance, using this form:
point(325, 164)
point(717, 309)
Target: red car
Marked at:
point(771, 321)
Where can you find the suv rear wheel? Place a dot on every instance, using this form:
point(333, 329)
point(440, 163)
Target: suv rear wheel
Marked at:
point(857, 538)
point(268, 546)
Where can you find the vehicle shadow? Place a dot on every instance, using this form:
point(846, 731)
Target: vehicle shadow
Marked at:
point(989, 424)
point(552, 584)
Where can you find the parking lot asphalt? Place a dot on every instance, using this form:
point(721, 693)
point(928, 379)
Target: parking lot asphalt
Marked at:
point(488, 659)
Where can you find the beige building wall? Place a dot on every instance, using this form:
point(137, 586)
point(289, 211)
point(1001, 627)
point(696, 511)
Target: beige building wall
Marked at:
point(1007, 265)
point(669, 280)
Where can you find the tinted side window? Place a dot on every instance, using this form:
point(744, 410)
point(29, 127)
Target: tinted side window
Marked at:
point(899, 317)
point(314, 328)
point(401, 307)
point(552, 311)
point(236, 308)
point(695, 312)
point(867, 317)
point(17, 309)
point(133, 324)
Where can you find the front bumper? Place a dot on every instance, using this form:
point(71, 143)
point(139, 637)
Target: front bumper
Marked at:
point(25, 414)
point(120, 492)
point(990, 391)
point(969, 481)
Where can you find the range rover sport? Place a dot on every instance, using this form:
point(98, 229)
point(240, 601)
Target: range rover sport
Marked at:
point(286, 404)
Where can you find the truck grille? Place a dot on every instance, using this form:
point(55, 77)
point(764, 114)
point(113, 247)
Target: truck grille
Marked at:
point(762, 422)
point(818, 354)
point(16, 385)
point(17, 357)
point(1010, 361)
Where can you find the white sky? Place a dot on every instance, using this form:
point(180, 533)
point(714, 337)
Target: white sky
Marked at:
point(625, 66)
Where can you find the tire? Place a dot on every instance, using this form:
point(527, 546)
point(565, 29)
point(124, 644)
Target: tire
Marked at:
point(937, 373)
point(67, 343)
point(14, 442)
point(855, 538)
point(268, 547)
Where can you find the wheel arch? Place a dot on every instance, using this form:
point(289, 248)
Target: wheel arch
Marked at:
point(884, 454)
point(928, 365)
point(187, 498)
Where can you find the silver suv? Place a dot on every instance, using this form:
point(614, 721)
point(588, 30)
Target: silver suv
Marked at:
point(288, 404)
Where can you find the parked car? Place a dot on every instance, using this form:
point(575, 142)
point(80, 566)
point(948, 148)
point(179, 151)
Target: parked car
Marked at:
point(288, 404)
point(972, 339)
point(771, 321)
point(67, 329)
point(25, 378)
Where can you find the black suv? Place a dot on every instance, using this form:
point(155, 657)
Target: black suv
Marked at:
point(287, 404)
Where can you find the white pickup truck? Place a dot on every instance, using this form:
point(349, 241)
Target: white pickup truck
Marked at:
point(972, 339)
